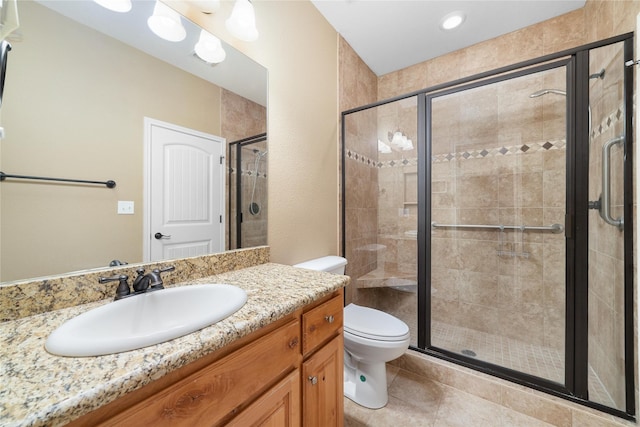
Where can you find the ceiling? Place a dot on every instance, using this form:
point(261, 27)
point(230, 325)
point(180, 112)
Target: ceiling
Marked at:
point(390, 35)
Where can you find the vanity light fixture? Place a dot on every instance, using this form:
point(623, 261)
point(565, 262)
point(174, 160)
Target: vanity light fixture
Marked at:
point(452, 20)
point(209, 48)
point(165, 23)
point(242, 22)
point(122, 6)
point(383, 148)
point(400, 141)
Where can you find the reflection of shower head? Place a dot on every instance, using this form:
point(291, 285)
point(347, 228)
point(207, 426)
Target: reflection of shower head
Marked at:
point(546, 91)
point(599, 75)
point(260, 153)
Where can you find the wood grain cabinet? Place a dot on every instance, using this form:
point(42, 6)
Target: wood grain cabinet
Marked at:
point(322, 404)
point(322, 369)
point(288, 374)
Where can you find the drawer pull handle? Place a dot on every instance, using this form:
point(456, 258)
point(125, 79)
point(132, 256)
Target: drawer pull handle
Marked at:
point(329, 319)
point(313, 380)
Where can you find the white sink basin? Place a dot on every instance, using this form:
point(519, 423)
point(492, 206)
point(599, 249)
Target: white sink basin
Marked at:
point(145, 319)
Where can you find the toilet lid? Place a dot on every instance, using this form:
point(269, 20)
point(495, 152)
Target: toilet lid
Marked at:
point(374, 324)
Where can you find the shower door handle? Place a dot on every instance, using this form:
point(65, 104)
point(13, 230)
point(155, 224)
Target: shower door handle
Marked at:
point(605, 206)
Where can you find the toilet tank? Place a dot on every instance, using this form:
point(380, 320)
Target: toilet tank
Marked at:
point(330, 264)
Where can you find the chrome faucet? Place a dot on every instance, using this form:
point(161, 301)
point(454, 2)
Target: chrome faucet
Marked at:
point(151, 281)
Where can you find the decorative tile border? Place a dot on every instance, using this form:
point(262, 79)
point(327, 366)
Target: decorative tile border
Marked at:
point(462, 155)
point(607, 122)
point(501, 151)
point(559, 144)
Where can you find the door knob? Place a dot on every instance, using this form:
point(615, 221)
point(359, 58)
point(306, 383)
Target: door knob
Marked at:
point(162, 236)
point(313, 380)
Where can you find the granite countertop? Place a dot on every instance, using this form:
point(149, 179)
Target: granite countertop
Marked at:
point(42, 389)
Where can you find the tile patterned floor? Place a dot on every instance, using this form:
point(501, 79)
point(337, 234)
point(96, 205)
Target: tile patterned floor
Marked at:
point(521, 356)
point(418, 401)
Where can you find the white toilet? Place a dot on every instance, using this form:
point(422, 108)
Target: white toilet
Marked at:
point(371, 338)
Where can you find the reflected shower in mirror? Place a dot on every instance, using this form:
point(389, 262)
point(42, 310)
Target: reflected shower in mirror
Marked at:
point(74, 105)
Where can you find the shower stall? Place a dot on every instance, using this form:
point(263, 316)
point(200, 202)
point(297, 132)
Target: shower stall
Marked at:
point(493, 215)
point(247, 192)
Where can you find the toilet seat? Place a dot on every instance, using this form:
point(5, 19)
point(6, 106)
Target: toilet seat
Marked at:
point(374, 324)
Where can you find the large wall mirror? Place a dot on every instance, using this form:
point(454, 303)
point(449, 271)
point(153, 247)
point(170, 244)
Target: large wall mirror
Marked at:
point(80, 82)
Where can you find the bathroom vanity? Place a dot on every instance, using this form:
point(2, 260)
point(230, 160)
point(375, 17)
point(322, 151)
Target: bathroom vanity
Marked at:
point(255, 381)
point(277, 360)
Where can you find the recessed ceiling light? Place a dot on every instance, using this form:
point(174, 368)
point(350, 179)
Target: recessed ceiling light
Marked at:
point(452, 20)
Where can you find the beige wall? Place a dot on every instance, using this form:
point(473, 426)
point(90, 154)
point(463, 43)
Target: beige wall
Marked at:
point(74, 108)
point(300, 50)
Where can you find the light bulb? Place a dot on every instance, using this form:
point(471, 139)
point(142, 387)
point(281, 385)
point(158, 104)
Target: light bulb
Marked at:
point(242, 22)
point(209, 48)
point(397, 139)
point(165, 23)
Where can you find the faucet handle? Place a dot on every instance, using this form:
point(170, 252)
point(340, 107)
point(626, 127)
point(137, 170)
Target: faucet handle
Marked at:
point(123, 285)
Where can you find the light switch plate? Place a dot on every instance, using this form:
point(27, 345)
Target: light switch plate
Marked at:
point(125, 207)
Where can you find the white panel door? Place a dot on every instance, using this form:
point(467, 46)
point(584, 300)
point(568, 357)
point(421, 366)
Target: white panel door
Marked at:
point(186, 192)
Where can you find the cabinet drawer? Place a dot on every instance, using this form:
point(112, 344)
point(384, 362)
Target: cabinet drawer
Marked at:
point(215, 393)
point(321, 323)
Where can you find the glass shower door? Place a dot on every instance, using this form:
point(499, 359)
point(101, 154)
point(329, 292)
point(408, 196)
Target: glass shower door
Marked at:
point(606, 254)
point(247, 196)
point(498, 195)
point(380, 166)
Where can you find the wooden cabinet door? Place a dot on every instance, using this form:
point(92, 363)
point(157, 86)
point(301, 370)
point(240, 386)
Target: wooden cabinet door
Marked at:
point(322, 395)
point(278, 407)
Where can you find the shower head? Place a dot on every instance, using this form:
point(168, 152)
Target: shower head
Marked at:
point(259, 153)
point(546, 91)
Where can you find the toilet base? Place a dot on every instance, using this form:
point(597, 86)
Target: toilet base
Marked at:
point(366, 384)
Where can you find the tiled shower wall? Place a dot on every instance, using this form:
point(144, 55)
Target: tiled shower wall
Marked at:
point(358, 86)
point(254, 225)
point(242, 118)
